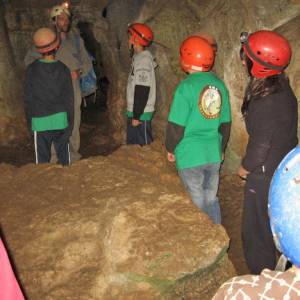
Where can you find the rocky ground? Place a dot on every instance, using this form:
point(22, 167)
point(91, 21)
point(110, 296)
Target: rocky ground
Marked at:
point(114, 227)
point(65, 226)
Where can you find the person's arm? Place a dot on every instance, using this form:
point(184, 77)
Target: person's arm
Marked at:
point(178, 117)
point(260, 136)
point(142, 81)
point(68, 95)
point(86, 61)
point(174, 135)
point(141, 95)
point(224, 129)
point(28, 96)
point(225, 121)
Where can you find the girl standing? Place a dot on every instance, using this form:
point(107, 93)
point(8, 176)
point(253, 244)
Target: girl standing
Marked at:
point(270, 112)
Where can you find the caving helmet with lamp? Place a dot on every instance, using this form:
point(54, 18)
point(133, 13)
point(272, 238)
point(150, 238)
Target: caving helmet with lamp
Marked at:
point(269, 52)
point(57, 10)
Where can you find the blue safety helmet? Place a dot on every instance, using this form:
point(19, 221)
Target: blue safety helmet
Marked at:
point(284, 206)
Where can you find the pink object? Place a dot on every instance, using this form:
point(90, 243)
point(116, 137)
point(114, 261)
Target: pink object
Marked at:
point(9, 287)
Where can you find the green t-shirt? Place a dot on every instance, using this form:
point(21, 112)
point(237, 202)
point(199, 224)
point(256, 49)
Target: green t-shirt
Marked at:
point(53, 122)
point(146, 116)
point(200, 104)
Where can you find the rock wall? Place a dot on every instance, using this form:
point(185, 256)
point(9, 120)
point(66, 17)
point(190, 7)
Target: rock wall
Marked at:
point(12, 122)
point(171, 21)
point(110, 228)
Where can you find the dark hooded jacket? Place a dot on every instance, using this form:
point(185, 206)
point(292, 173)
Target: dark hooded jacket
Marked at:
point(271, 123)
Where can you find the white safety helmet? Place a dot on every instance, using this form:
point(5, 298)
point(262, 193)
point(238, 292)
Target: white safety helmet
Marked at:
point(60, 9)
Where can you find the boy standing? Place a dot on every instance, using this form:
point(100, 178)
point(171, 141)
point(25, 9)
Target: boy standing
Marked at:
point(199, 125)
point(74, 55)
point(49, 99)
point(141, 86)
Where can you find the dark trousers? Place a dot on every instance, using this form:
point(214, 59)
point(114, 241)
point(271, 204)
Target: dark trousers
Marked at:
point(139, 135)
point(43, 141)
point(258, 245)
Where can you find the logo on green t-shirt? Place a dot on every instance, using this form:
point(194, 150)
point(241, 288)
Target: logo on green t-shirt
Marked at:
point(210, 102)
point(200, 105)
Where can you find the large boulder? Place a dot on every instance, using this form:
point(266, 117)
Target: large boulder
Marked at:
point(119, 227)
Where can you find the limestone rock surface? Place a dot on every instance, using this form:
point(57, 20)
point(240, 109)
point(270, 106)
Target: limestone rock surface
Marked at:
point(116, 227)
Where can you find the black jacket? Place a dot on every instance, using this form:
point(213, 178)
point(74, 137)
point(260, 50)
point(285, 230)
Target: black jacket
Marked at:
point(48, 90)
point(271, 123)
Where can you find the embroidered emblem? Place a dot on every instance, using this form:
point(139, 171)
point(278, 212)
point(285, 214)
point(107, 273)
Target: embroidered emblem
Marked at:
point(210, 102)
point(143, 77)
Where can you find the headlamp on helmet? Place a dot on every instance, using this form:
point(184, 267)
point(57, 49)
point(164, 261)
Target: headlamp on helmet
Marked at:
point(244, 37)
point(269, 52)
point(57, 10)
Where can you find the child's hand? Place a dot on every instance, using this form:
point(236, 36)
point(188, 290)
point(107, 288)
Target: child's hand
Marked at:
point(75, 74)
point(242, 172)
point(171, 157)
point(135, 122)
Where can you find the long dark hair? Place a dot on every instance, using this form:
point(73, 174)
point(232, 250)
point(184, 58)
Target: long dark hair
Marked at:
point(259, 87)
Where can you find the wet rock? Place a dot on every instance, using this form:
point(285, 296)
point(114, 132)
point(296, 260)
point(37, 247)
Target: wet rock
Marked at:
point(115, 227)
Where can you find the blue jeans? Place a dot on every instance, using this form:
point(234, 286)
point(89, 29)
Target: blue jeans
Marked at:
point(202, 183)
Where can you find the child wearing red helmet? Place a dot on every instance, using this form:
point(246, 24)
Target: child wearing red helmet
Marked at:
point(199, 125)
point(271, 116)
point(141, 86)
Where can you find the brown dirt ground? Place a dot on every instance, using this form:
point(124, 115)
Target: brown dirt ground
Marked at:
point(231, 200)
point(96, 141)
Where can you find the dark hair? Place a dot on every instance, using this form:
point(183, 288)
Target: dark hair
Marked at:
point(259, 87)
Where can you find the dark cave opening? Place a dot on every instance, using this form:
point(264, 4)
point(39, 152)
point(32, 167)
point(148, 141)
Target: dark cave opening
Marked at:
point(94, 130)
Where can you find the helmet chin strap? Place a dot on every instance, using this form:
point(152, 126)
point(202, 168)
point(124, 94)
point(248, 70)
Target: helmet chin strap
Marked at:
point(131, 51)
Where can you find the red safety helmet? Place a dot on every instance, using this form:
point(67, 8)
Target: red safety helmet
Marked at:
point(196, 54)
point(140, 34)
point(45, 40)
point(209, 38)
point(269, 51)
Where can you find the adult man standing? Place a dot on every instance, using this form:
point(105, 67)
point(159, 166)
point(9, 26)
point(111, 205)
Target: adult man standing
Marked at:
point(73, 54)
